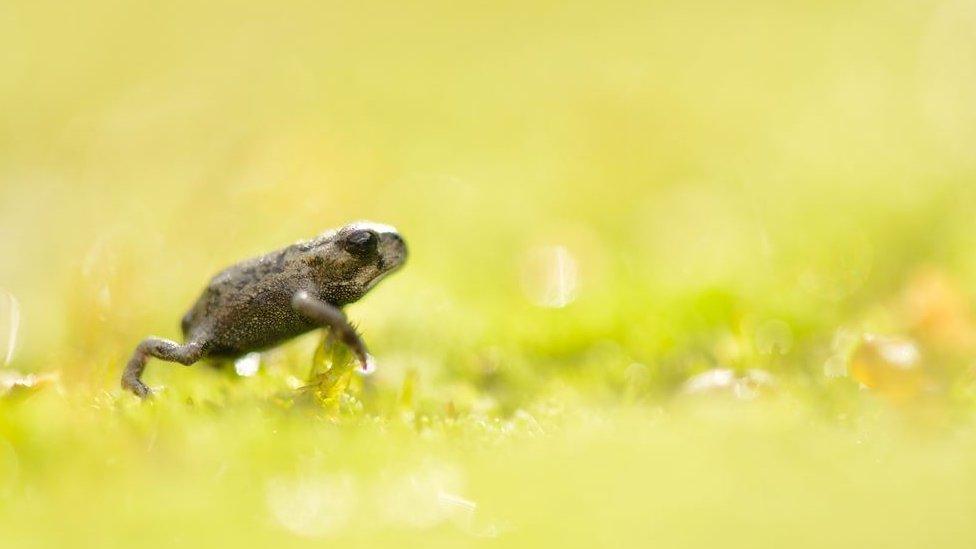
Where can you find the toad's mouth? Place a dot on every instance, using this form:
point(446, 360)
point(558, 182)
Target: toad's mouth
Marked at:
point(384, 267)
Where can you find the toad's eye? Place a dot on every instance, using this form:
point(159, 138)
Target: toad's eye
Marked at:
point(360, 242)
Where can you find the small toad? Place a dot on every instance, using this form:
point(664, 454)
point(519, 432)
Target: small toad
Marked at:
point(262, 302)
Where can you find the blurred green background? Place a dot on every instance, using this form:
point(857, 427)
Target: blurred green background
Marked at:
point(681, 273)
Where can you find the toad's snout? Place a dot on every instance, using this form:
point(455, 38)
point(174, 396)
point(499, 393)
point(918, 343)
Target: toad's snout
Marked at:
point(393, 251)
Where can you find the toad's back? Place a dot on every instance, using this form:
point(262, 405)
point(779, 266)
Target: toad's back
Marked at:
point(247, 307)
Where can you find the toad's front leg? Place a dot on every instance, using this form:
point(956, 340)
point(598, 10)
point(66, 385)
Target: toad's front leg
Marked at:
point(328, 316)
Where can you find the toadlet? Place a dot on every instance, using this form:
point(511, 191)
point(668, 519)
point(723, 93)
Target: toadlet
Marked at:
point(262, 302)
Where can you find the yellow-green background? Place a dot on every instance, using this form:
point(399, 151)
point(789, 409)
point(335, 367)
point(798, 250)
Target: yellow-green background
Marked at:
point(718, 170)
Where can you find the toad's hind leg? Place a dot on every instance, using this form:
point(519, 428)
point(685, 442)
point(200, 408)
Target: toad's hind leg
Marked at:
point(162, 349)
